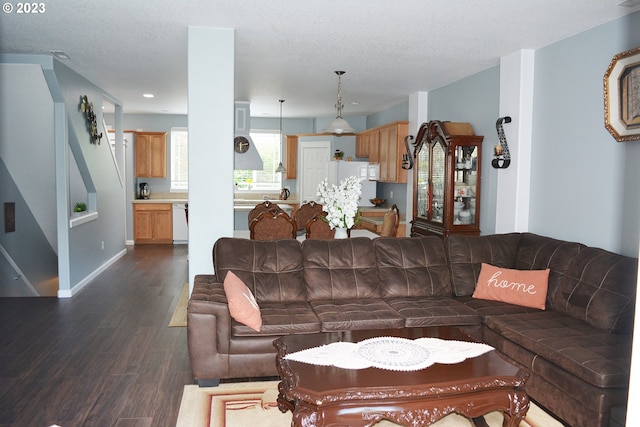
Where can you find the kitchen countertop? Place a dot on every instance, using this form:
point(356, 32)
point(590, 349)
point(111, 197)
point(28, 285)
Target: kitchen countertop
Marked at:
point(239, 207)
point(254, 202)
point(159, 197)
point(172, 200)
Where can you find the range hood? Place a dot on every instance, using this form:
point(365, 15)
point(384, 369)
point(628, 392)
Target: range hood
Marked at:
point(249, 159)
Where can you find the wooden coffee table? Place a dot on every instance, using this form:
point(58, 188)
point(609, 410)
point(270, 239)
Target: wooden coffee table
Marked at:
point(331, 396)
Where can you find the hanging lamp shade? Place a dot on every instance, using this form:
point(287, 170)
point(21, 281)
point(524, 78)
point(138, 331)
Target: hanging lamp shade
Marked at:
point(339, 126)
point(281, 168)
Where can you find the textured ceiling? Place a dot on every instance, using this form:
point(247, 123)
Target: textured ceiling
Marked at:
point(289, 49)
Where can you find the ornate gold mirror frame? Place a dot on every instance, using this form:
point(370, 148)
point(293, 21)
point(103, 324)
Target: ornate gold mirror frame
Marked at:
point(622, 96)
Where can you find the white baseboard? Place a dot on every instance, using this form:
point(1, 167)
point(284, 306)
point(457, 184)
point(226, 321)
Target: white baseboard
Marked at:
point(68, 293)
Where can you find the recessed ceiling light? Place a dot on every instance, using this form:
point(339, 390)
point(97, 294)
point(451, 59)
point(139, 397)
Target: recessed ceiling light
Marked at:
point(59, 54)
point(148, 95)
point(355, 103)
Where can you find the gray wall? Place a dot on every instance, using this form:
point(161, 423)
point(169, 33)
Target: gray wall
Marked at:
point(391, 114)
point(86, 251)
point(585, 184)
point(29, 150)
point(475, 100)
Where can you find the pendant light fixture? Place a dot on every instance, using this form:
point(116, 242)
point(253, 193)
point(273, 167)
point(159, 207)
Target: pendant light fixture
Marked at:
point(281, 168)
point(339, 126)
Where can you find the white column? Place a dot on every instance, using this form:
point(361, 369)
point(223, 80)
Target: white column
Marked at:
point(418, 106)
point(516, 101)
point(211, 95)
point(633, 411)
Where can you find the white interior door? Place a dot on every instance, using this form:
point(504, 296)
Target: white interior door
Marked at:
point(313, 167)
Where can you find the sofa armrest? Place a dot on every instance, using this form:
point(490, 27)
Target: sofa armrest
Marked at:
point(208, 328)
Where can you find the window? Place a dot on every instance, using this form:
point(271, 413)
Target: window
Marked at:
point(179, 159)
point(266, 142)
point(268, 145)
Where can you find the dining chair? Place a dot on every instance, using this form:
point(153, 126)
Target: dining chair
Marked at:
point(317, 228)
point(265, 206)
point(305, 213)
point(390, 222)
point(270, 225)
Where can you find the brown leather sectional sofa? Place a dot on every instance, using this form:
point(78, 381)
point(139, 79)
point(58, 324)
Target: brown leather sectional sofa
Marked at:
point(577, 350)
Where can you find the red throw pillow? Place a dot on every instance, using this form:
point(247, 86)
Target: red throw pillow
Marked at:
point(242, 304)
point(527, 288)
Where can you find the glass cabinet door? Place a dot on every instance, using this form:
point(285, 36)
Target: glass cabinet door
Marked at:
point(422, 182)
point(438, 167)
point(465, 185)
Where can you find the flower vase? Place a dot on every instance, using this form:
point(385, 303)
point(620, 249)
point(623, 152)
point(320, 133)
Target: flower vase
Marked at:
point(341, 233)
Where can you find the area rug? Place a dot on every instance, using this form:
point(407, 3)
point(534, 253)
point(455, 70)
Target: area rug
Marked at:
point(254, 404)
point(179, 317)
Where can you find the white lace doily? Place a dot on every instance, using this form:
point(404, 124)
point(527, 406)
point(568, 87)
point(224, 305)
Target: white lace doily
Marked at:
point(392, 353)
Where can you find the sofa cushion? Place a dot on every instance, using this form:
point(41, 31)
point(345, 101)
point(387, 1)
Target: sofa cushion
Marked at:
point(527, 288)
point(433, 311)
point(272, 270)
point(355, 314)
point(486, 308)
point(467, 253)
point(412, 267)
point(242, 305)
point(600, 288)
point(597, 357)
point(552, 386)
point(340, 269)
point(539, 252)
point(282, 318)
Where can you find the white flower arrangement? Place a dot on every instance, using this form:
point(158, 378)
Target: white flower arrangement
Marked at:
point(341, 202)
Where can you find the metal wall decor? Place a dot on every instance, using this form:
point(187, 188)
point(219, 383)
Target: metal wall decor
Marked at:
point(502, 157)
point(407, 159)
point(622, 96)
point(87, 108)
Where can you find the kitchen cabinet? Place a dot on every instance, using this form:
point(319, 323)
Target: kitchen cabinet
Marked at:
point(292, 156)
point(446, 181)
point(363, 141)
point(385, 145)
point(152, 223)
point(151, 154)
point(374, 147)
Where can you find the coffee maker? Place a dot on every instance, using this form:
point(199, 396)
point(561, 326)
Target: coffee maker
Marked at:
point(144, 191)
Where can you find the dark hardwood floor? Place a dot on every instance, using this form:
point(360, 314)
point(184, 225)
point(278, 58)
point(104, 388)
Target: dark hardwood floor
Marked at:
point(105, 357)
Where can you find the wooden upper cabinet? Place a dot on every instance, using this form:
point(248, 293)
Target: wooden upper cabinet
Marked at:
point(151, 154)
point(385, 145)
point(374, 147)
point(292, 157)
point(362, 144)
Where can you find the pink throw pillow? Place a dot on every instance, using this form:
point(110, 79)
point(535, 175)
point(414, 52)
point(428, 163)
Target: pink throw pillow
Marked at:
point(242, 304)
point(527, 288)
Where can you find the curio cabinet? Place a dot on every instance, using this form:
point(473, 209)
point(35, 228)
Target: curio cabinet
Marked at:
point(446, 182)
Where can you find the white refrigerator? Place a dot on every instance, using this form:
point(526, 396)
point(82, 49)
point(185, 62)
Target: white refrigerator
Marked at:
point(339, 170)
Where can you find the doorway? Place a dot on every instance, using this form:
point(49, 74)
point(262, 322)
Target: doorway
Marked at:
point(314, 157)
